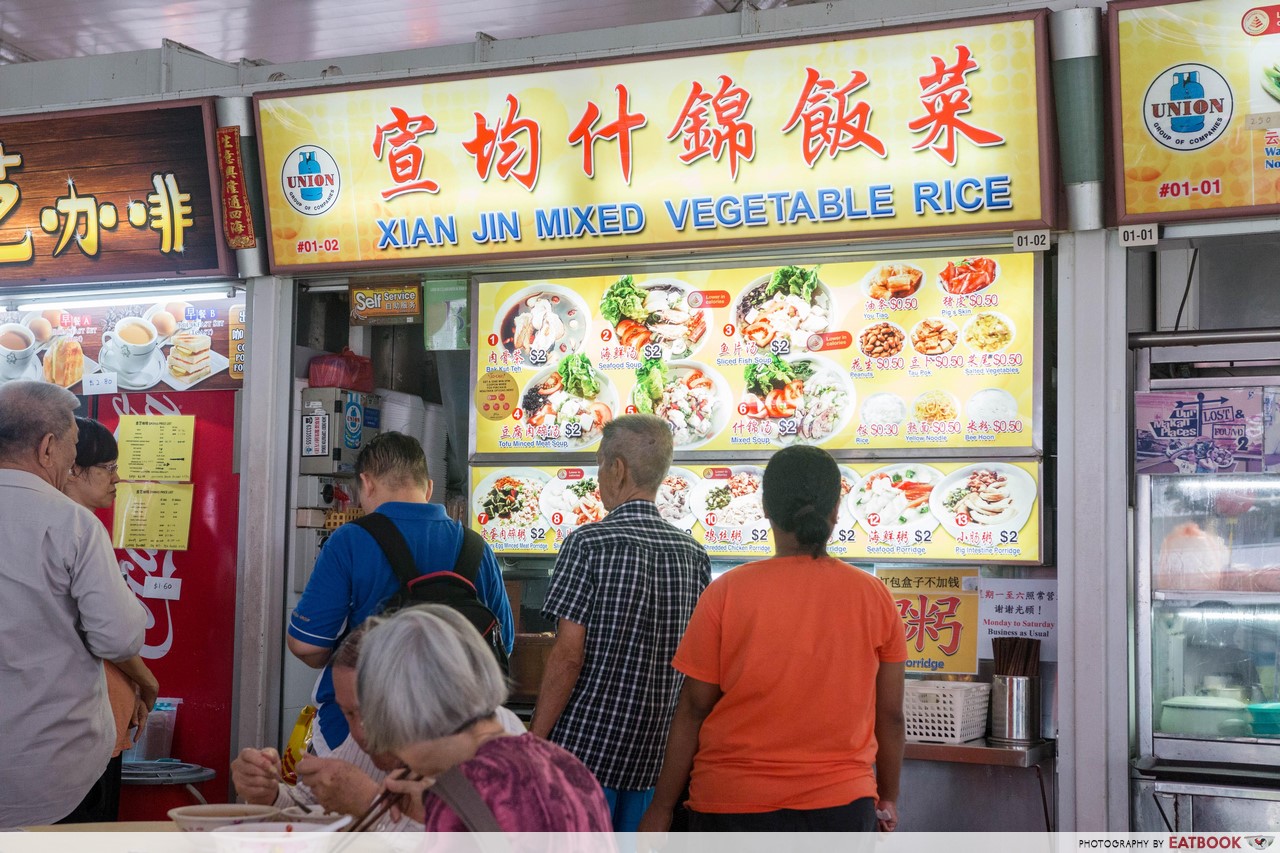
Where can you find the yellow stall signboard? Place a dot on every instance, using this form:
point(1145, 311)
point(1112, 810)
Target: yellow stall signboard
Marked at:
point(919, 511)
point(939, 610)
point(1196, 89)
point(932, 128)
point(904, 354)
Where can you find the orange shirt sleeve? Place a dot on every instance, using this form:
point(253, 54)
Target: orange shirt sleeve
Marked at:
point(698, 655)
point(893, 649)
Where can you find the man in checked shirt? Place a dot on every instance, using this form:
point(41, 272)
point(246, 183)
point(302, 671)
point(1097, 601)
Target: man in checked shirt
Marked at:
point(622, 591)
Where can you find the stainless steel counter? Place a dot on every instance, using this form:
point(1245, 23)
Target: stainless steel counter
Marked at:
point(978, 787)
point(981, 752)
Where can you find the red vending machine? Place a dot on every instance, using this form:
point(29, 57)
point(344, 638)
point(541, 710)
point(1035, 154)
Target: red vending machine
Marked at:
point(190, 639)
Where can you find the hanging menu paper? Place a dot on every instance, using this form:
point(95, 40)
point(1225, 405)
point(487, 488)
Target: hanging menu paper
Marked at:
point(935, 352)
point(156, 447)
point(152, 515)
point(946, 511)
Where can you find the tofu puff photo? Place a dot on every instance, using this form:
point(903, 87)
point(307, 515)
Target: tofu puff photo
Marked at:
point(189, 357)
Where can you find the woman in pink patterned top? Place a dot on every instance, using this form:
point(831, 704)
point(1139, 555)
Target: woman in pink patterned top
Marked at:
point(428, 689)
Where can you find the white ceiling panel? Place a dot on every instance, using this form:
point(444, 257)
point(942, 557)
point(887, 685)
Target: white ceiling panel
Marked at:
point(281, 31)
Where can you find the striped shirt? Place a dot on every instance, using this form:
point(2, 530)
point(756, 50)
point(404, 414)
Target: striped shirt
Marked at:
point(632, 579)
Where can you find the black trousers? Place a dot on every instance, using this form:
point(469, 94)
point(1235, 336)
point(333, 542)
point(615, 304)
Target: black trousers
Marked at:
point(858, 816)
point(102, 803)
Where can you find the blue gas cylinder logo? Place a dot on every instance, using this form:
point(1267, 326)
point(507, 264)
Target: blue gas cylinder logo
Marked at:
point(352, 424)
point(310, 180)
point(1188, 106)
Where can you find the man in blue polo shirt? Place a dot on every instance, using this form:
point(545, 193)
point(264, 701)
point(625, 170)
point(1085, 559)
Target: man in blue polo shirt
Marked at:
point(353, 580)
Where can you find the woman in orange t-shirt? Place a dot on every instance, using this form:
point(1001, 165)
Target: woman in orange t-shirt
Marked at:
point(790, 718)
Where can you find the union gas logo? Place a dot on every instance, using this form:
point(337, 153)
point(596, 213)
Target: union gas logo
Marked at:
point(310, 180)
point(1187, 107)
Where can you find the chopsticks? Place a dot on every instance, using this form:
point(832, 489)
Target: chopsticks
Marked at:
point(382, 804)
point(1016, 656)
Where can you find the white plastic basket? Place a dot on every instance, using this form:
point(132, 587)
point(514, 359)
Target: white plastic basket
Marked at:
point(945, 711)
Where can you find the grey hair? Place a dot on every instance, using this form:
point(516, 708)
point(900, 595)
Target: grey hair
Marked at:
point(423, 674)
point(31, 410)
point(644, 442)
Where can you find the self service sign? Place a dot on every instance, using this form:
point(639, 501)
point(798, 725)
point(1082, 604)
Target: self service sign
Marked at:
point(893, 132)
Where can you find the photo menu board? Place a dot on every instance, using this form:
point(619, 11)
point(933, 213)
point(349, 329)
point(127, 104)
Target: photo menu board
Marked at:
point(902, 354)
point(164, 342)
point(918, 511)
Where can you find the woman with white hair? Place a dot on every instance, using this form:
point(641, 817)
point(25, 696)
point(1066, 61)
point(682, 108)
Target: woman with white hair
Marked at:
point(429, 689)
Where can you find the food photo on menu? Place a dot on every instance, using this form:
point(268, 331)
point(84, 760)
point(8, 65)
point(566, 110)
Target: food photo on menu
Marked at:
point(788, 305)
point(805, 399)
point(543, 323)
point(62, 346)
point(690, 397)
point(570, 402)
point(656, 311)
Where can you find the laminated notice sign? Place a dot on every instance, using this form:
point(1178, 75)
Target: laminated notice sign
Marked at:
point(939, 610)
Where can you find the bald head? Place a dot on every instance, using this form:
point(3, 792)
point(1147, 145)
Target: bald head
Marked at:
point(37, 429)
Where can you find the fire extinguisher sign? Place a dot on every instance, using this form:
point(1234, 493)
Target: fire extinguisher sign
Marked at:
point(315, 435)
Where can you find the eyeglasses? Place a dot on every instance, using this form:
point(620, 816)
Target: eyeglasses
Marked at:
point(109, 467)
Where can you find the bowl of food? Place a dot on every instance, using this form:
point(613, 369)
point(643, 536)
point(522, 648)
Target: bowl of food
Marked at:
point(893, 280)
point(970, 275)
point(206, 818)
point(692, 398)
point(988, 332)
point(655, 312)
point(314, 813)
point(278, 836)
point(789, 304)
point(934, 336)
point(543, 323)
point(881, 340)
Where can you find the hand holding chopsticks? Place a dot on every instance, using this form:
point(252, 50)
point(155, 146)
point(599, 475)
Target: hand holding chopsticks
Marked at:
point(384, 802)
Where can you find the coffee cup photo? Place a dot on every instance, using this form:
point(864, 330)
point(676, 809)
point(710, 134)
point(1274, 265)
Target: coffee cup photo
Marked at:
point(17, 346)
point(129, 346)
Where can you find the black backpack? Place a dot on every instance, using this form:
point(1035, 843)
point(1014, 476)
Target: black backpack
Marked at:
point(456, 588)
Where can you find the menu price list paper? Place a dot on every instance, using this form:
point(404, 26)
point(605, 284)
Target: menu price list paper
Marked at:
point(897, 354)
point(152, 515)
point(918, 510)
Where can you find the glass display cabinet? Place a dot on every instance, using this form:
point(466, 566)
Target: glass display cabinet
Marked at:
point(1208, 619)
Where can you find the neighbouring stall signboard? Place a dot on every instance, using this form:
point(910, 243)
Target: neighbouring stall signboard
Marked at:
point(934, 128)
point(1199, 431)
point(109, 195)
point(1018, 608)
point(906, 354)
point(939, 610)
point(163, 342)
point(1196, 90)
point(946, 511)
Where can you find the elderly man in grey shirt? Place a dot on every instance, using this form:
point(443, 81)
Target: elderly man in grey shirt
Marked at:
point(64, 608)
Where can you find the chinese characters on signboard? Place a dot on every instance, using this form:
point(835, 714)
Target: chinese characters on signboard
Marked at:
point(930, 129)
point(939, 610)
point(107, 196)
